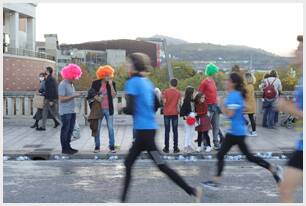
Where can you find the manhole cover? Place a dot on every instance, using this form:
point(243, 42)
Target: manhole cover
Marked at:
point(32, 146)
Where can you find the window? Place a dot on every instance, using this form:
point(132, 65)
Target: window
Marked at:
point(22, 24)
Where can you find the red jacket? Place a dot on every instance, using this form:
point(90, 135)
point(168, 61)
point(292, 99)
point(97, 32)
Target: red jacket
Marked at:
point(201, 108)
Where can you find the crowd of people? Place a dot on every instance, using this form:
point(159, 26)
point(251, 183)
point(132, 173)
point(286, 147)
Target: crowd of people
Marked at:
point(200, 111)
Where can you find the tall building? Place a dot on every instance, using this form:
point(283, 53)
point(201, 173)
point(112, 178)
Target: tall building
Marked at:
point(19, 26)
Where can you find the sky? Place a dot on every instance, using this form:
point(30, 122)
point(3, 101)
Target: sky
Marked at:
point(269, 26)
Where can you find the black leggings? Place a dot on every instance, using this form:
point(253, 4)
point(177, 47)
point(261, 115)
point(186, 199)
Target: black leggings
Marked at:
point(231, 140)
point(145, 140)
point(203, 137)
point(253, 123)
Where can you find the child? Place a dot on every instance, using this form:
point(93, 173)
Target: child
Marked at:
point(186, 111)
point(171, 101)
point(236, 135)
point(140, 103)
point(204, 123)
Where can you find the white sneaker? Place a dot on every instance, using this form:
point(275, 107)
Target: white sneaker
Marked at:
point(253, 134)
point(208, 149)
point(199, 149)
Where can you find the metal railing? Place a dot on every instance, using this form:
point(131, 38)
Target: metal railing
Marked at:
point(28, 53)
point(16, 104)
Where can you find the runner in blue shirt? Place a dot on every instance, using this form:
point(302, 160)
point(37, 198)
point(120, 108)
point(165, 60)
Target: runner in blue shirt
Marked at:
point(233, 108)
point(142, 104)
point(293, 173)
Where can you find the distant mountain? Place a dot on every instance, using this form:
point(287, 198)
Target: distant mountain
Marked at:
point(170, 40)
point(200, 53)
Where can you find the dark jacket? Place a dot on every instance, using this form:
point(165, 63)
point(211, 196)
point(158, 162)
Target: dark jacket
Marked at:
point(186, 108)
point(51, 92)
point(96, 85)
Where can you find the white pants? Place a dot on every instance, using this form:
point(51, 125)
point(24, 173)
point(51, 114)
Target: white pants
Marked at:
point(189, 131)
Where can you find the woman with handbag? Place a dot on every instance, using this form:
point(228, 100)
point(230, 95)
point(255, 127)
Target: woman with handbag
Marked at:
point(41, 92)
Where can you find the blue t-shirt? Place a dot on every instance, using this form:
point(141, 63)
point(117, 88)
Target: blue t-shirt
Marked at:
point(299, 103)
point(235, 101)
point(143, 91)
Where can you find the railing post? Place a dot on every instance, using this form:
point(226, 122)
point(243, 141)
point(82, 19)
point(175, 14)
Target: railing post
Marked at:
point(19, 106)
point(10, 106)
point(27, 110)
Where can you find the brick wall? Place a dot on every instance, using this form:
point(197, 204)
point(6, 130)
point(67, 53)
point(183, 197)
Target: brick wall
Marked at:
point(21, 73)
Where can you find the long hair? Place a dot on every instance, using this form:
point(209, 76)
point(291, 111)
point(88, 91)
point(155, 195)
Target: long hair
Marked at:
point(238, 83)
point(188, 93)
point(198, 97)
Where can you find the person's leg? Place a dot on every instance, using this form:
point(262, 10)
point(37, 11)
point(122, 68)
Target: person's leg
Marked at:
point(293, 177)
point(175, 132)
point(206, 138)
point(65, 131)
point(250, 157)
point(199, 139)
point(270, 117)
point(110, 127)
point(253, 123)
point(97, 137)
point(154, 154)
point(215, 126)
point(265, 114)
point(134, 152)
point(45, 112)
point(225, 147)
point(186, 134)
point(167, 131)
point(72, 123)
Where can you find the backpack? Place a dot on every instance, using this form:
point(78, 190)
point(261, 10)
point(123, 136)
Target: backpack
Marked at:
point(269, 91)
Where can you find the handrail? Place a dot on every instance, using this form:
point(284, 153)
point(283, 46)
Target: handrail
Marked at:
point(29, 53)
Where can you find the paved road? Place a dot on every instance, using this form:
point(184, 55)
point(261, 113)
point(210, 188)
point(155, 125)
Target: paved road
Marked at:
point(90, 181)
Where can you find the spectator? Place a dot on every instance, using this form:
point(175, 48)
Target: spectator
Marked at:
point(105, 89)
point(67, 95)
point(204, 125)
point(171, 101)
point(274, 74)
point(186, 112)
point(271, 87)
point(41, 91)
point(209, 89)
point(51, 100)
point(250, 101)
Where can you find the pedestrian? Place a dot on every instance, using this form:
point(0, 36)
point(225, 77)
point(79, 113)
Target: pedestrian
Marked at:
point(209, 89)
point(171, 101)
point(233, 108)
point(51, 100)
point(41, 91)
point(67, 95)
point(265, 104)
point(204, 125)
point(187, 112)
point(271, 88)
point(140, 104)
point(105, 89)
point(278, 86)
point(293, 173)
point(250, 101)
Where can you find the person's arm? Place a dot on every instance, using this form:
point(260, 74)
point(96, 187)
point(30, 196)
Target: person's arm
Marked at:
point(130, 102)
point(289, 107)
point(228, 108)
point(113, 88)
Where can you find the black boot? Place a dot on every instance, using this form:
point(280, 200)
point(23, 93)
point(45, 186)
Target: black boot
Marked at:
point(56, 123)
point(35, 125)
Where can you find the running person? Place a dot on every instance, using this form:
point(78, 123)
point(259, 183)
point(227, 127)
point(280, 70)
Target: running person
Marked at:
point(140, 103)
point(233, 109)
point(293, 173)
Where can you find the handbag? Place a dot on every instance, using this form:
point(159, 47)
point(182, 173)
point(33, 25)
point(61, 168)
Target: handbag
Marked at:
point(76, 134)
point(38, 101)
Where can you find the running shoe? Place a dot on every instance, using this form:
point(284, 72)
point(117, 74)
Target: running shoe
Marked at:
point(199, 149)
point(211, 185)
point(208, 149)
point(197, 197)
point(165, 150)
point(278, 174)
point(253, 134)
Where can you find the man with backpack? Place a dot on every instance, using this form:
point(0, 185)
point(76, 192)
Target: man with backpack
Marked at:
point(272, 87)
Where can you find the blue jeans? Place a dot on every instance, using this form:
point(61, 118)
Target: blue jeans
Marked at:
point(214, 117)
point(109, 122)
point(68, 121)
point(269, 114)
point(167, 121)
